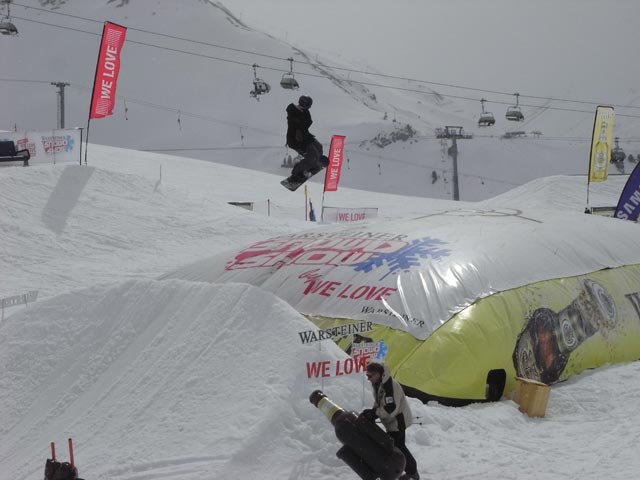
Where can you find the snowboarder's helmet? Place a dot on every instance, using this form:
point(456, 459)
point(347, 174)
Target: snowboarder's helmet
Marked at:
point(305, 102)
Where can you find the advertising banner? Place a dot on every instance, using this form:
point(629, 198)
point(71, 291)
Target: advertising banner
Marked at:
point(104, 86)
point(343, 214)
point(629, 203)
point(23, 299)
point(547, 332)
point(48, 146)
point(336, 154)
point(601, 141)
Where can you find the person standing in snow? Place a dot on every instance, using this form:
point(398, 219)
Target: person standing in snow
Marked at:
point(302, 141)
point(391, 406)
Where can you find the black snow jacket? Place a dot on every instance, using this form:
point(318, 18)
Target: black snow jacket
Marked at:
point(298, 123)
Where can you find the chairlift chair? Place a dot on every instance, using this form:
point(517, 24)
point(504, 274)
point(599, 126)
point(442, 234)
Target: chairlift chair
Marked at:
point(617, 155)
point(486, 118)
point(6, 26)
point(288, 79)
point(514, 113)
point(289, 82)
point(260, 87)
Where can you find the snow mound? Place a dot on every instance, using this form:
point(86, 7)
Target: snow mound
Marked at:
point(169, 378)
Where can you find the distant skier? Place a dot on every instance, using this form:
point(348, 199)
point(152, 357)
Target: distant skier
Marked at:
point(302, 141)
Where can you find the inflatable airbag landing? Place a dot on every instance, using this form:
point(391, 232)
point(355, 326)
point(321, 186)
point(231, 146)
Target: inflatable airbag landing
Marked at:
point(367, 449)
point(460, 302)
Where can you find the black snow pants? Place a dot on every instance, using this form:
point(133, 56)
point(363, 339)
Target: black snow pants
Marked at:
point(313, 159)
point(399, 441)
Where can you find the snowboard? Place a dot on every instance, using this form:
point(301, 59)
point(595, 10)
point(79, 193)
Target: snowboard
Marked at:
point(294, 185)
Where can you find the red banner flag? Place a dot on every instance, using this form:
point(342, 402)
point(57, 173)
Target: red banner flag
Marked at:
point(103, 98)
point(336, 153)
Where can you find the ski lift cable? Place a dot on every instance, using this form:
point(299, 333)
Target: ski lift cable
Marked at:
point(430, 167)
point(165, 35)
point(371, 84)
point(248, 127)
point(460, 97)
point(183, 113)
point(396, 77)
point(23, 80)
point(236, 62)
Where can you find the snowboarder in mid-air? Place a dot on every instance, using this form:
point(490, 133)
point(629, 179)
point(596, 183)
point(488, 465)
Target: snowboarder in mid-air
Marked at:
point(302, 141)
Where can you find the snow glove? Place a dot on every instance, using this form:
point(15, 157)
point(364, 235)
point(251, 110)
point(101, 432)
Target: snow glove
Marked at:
point(369, 414)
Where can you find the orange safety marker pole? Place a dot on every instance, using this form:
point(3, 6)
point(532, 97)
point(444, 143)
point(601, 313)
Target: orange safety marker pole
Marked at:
point(71, 453)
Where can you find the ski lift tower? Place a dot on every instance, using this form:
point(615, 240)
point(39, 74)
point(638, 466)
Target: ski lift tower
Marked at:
point(453, 133)
point(60, 86)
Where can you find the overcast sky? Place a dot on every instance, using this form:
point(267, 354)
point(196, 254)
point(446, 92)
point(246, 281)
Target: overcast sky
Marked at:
point(584, 49)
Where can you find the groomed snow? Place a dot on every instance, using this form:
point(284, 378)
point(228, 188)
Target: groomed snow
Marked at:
point(181, 380)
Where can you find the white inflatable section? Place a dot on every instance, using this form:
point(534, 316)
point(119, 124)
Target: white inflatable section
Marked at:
point(414, 274)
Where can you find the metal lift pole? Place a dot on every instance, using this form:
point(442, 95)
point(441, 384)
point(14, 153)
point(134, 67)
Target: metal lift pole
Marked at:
point(453, 133)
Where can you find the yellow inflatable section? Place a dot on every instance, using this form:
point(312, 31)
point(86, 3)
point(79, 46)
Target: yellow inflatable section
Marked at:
point(546, 331)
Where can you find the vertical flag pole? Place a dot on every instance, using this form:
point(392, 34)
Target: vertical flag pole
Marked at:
point(93, 93)
point(81, 140)
point(593, 134)
point(103, 94)
point(323, 190)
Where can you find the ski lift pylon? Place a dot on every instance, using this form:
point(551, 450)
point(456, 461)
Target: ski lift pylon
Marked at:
point(486, 118)
point(260, 87)
point(288, 79)
point(514, 113)
point(617, 153)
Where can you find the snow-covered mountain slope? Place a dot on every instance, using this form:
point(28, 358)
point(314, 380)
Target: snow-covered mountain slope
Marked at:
point(192, 97)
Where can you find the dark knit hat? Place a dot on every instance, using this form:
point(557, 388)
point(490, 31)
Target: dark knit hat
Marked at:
point(375, 367)
point(305, 102)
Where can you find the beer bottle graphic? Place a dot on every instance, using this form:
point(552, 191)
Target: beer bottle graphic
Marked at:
point(600, 158)
point(545, 344)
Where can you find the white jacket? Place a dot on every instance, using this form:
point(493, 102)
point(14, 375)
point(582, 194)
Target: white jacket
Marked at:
point(391, 403)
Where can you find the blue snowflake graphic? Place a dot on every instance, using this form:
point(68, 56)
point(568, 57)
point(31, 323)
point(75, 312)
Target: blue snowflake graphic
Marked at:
point(69, 146)
point(406, 257)
point(382, 353)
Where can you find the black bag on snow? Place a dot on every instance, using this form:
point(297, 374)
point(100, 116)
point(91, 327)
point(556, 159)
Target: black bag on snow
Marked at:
point(54, 470)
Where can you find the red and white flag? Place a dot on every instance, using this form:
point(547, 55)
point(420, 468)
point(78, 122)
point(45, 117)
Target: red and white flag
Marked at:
point(336, 154)
point(104, 86)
